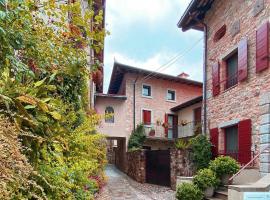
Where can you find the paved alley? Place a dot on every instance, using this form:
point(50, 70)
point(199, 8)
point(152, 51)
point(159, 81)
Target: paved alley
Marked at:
point(121, 187)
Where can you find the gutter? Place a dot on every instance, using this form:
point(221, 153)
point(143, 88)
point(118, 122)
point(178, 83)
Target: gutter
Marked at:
point(204, 77)
point(205, 80)
point(134, 102)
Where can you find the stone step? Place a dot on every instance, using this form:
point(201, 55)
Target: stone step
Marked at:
point(213, 198)
point(221, 193)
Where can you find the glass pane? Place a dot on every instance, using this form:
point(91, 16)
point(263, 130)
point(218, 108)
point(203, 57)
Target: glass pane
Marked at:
point(170, 120)
point(146, 90)
point(170, 133)
point(231, 140)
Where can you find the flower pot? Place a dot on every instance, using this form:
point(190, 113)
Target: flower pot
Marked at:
point(209, 192)
point(225, 179)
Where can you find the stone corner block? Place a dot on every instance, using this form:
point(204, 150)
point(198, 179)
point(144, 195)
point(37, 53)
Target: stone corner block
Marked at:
point(265, 119)
point(265, 99)
point(265, 129)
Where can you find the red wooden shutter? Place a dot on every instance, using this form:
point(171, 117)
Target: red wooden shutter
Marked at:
point(215, 79)
point(244, 141)
point(175, 126)
point(166, 125)
point(147, 117)
point(262, 47)
point(242, 60)
point(214, 141)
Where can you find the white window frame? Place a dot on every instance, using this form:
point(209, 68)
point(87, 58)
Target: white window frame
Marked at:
point(152, 116)
point(168, 89)
point(151, 90)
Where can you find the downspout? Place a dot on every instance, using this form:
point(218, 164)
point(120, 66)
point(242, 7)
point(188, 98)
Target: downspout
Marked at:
point(134, 102)
point(204, 77)
point(205, 80)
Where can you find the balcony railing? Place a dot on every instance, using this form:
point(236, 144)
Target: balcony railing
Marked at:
point(154, 130)
point(189, 129)
point(183, 130)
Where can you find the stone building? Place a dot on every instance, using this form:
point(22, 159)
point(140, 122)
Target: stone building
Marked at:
point(236, 75)
point(154, 97)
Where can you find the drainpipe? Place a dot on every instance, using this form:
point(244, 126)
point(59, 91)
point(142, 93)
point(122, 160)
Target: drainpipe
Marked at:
point(204, 76)
point(205, 80)
point(134, 102)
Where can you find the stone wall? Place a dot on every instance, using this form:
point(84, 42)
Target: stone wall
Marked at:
point(136, 165)
point(241, 101)
point(181, 165)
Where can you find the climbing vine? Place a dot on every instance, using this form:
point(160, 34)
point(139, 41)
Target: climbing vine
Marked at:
point(43, 93)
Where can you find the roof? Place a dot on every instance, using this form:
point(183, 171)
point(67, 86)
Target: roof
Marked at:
point(194, 13)
point(120, 69)
point(123, 97)
point(187, 104)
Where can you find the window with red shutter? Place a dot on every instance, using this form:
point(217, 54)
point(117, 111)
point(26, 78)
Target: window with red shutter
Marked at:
point(214, 141)
point(146, 117)
point(262, 47)
point(242, 60)
point(216, 79)
point(244, 140)
point(166, 125)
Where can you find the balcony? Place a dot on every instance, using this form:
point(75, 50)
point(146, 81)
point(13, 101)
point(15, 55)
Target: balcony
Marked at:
point(154, 130)
point(189, 129)
point(184, 130)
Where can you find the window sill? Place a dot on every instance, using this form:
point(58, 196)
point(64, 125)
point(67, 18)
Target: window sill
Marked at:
point(171, 101)
point(148, 97)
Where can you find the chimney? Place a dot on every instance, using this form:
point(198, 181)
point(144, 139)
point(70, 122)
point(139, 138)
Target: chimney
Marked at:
point(183, 75)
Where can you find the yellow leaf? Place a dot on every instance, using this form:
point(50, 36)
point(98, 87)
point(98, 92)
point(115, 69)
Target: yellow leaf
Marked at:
point(55, 115)
point(39, 83)
point(27, 99)
point(43, 106)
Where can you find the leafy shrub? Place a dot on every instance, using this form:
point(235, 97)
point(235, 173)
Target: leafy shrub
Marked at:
point(205, 178)
point(137, 138)
point(188, 191)
point(201, 151)
point(182, 144)
point(223, 165)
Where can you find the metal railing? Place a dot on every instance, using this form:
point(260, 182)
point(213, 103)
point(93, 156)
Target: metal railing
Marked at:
point(229, 81)
point(154, 130)
point(189, 129)
point(267, 148)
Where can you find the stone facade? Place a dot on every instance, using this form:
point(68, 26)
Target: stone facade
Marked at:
point(136, 165)
point(241, 101)
point(181, 165)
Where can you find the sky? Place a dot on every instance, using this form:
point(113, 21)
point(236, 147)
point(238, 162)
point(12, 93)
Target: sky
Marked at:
point(144, 34)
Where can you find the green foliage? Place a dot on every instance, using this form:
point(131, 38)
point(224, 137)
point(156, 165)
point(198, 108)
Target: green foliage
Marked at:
point(182, 144)
point(224, 165)
point(44, 93)
point(137, 138)
point(201, 151)
point(188, 191)
point(205, 178)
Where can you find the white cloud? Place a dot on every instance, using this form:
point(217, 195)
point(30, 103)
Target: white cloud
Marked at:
point(124, 13)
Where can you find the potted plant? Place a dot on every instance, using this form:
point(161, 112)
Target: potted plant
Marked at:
point(207, 181)
point(152, 132)
point(184, 122)
point(188, 191)
point(224, 167)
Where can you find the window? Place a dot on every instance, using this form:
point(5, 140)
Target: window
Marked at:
point(146, 91)
point(146, 117)
point(231, 141)
point(232, 70)
point(171, 95)
point(109, 115)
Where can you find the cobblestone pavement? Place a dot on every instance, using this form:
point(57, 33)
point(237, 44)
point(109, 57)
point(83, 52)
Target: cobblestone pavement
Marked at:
point(121, 187)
